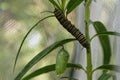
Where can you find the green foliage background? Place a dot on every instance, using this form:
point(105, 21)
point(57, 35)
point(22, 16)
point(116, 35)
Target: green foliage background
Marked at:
point(16, 18)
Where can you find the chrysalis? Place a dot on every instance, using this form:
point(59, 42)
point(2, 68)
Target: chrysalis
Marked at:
point(61, 61)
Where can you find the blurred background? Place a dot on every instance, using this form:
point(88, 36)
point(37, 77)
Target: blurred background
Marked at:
point(18, 16)
point(106, 11)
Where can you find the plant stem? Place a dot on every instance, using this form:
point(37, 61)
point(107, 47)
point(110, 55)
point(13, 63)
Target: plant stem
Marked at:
point(89, 64)
point(89, 57)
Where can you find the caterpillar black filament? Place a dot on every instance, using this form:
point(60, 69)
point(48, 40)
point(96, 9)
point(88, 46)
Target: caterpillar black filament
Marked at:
point(70, 28)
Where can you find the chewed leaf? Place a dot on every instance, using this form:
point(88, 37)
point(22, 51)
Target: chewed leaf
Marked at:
point(72, 4)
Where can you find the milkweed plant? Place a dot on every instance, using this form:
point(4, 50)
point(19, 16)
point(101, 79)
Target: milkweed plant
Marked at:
point(62, 8)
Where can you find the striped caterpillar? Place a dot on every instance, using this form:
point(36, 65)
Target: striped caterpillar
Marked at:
point(71, 28)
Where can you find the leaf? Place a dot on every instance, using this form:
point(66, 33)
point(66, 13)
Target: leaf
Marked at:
point(63, 4)
point(54, 3)
point(109, 67)
point(25, 38)
point(105, 76)
point(106, 33)
point(48, 69)
point(72, 4)
point(40, 55)
point(104, 40)
point(114, 77)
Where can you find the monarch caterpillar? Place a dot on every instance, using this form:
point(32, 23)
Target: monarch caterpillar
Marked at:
point(70, 27)
point(61, 61)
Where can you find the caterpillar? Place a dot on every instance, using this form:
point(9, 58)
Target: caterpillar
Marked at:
point(70, 27)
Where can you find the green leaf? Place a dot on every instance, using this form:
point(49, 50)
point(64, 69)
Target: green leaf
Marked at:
point(63, 4)
point(55, 4)
point(25, 38)
point(40, 55)
point(106, 33)
point(115, 68)
point(72, 4)
point(104, 40)
point(48, 69)
point(105, 76)
point(114, 77)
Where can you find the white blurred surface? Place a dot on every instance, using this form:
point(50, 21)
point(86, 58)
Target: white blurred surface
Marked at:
point(108, 12)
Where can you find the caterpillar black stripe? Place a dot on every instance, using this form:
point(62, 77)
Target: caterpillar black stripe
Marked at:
point(71, 28)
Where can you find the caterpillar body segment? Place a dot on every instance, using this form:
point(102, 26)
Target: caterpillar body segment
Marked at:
point(70, 27)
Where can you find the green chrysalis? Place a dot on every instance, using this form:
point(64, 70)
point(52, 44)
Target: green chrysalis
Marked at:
point(61, 61)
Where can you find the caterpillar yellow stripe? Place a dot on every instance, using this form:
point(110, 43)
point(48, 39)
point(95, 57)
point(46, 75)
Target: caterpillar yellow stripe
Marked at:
point(71, 28)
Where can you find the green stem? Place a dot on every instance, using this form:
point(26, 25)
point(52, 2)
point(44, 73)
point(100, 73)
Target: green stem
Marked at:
point(89, 57)
point(89, 64)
